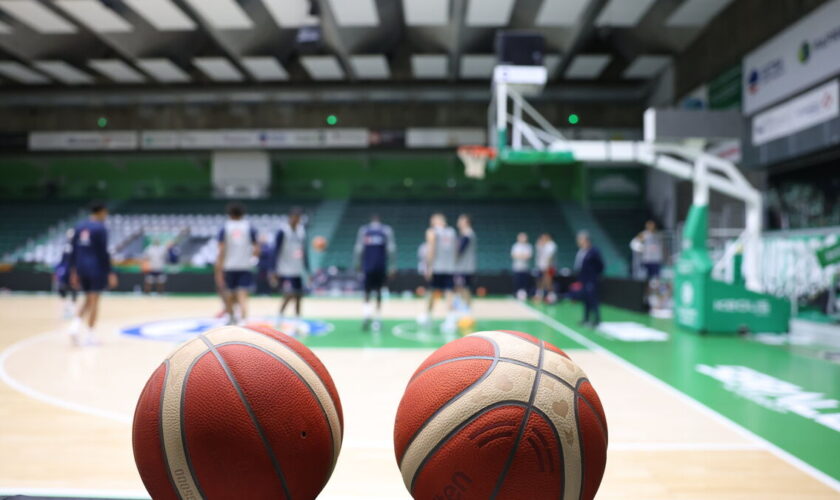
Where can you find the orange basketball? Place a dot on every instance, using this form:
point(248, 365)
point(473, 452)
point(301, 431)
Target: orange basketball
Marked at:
point(500, 415)
point(319, 243)
point(238, 412)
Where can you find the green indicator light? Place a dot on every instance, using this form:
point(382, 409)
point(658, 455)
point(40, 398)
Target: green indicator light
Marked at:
point(102, 122)
point(332, 120)
point(573, 119)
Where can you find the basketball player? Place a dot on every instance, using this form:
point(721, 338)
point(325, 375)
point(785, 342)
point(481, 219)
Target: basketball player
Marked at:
point(291, 260)
point(546, 264)
point(374, 256)
point(90, 270)
point(155, 255)
point(521, 254)
point(62, 278)
point(234, 265)
point(441, 251)
point(466, 261)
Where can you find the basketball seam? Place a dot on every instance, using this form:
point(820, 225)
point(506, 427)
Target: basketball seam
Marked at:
point(305, 383)
point(523, 425)
point(456, 430)
point(512, 361)
point(183, 428)
point(573, 388)
point(580, 445)
point(452, 400)
point(326, 386)
point(274, 461)
point(160, 431)
point(601, 424)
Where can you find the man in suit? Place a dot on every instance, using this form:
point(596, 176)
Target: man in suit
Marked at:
point(589, 267)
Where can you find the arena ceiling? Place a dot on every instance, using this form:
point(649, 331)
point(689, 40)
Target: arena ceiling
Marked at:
point(181, 42)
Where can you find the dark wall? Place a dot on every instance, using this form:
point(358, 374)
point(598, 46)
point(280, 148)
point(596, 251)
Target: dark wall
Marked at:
point(739, 29)
point(624, 293)
point(380, 115)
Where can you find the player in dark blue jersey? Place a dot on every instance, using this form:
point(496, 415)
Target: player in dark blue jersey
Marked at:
point(62, 278)
point(90, 270)
point(374, 256)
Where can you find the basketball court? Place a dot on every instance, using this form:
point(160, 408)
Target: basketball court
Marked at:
point(675, 433)
point(651, 186)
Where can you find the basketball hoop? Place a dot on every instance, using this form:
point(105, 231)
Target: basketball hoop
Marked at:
point(475, 160)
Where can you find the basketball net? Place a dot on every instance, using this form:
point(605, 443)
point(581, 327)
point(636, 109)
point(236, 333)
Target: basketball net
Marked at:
point(475, 160)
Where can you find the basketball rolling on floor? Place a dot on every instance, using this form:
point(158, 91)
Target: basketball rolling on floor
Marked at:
point(684, 411)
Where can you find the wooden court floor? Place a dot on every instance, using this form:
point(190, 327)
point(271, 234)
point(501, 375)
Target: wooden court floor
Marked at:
point(65, 412)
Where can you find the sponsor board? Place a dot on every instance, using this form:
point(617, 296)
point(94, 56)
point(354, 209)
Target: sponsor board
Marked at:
point(775, 394)
point(256, 139)
point(805, 111)
point(83, 141)
point(184, 329)
point(760, 307)
point(629, 331)
point(797, 58)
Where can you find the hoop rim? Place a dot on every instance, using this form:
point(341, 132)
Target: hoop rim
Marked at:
point(477, 150)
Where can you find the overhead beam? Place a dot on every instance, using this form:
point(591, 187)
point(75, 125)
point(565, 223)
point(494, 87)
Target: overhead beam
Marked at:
point(332, 35)
point(211, 32)
point(319, 93)
point(582, 33)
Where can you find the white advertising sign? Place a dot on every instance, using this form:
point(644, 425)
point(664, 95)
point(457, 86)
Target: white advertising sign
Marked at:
point(256, 139)
point(444, 137)
point(802, 55)
point(809, 109)
point(82, 141)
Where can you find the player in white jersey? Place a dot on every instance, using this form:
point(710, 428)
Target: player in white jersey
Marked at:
point(441, 253)
point(546, 264)
point(154, 263)
point(521, 254)
point(467, 260)
point(291, 260)
point(238, 248)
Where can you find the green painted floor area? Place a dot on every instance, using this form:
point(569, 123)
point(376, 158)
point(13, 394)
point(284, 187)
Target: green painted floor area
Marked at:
point(788, 399)
point(406, 334)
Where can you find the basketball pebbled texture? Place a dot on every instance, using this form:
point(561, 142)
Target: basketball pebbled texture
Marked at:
point(238, 412)
point(500, 415)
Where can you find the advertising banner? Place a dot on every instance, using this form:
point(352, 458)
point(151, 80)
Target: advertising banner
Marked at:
point(799, 57)
point(83, 141)
point(805, 111)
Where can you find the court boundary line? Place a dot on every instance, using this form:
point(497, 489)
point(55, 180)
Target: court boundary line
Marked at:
point(780, 453)
point(46, 398)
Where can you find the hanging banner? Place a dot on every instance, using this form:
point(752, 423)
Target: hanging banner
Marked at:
point(797, 58)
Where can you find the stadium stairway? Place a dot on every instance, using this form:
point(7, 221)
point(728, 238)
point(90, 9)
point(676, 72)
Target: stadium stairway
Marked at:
point(581, 219)
point(325, 221)
point(25, 225)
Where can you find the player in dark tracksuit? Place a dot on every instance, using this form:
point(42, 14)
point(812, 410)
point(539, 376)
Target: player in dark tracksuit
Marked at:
point(373, 255)
point(589, 266)
point(62, 277)
point(90, 269)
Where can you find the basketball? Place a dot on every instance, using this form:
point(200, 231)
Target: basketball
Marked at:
point(238, 412)
point(466, 324)
point(319, 243)
point(496, 414)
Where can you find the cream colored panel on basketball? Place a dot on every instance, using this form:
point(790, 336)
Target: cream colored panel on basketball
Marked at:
point(557, 400)
point(244, 335)
point(513, 347)
point(507, 382)
point(173, 445)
